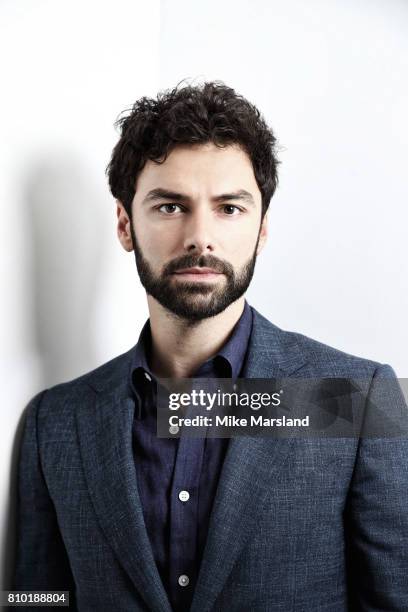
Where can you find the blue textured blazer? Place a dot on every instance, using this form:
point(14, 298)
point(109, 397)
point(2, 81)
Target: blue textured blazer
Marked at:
point(297, 524)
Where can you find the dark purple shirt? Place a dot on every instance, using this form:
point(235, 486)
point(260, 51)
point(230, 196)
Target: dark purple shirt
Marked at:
point(165, 467)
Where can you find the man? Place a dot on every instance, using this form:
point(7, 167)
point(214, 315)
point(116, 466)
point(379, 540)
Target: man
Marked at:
point(126, 520)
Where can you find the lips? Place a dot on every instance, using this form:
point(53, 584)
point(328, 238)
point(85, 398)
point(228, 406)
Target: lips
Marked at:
point(197, 271)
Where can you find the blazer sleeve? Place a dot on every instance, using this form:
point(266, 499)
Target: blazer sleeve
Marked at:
point(377, 509)
point(41, 558)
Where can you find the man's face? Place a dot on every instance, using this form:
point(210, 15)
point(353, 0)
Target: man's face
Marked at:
point(196, 229)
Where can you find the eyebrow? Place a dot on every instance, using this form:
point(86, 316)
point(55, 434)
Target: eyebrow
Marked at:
point(164, 194)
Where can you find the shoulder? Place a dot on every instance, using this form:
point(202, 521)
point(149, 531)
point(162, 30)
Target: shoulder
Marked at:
point(62, 399)
point(313, 358)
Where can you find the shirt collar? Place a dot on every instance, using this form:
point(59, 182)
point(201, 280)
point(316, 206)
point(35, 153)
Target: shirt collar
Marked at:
point(229, 359)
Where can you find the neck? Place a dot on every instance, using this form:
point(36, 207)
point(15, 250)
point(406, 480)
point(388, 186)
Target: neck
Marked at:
point(179, 346)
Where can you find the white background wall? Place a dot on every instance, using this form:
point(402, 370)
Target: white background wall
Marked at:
point(330, 77)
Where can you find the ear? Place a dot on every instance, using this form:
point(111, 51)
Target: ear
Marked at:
point(123, 227)
point(263, 233)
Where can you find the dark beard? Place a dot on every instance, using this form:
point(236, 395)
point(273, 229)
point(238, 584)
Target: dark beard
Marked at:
point(184, 299)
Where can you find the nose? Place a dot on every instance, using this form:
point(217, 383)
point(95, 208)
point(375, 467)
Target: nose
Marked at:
point(198, 234)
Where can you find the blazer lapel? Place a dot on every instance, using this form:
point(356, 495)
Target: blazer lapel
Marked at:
point(105, 435)
point(250, 468)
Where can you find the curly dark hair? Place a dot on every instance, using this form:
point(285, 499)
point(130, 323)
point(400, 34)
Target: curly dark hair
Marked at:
point(211, 112)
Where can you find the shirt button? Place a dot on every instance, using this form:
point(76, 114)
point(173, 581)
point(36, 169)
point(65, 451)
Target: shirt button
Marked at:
point(184, 496)
point(147, 376)
point(173, 429)
point(183, 580)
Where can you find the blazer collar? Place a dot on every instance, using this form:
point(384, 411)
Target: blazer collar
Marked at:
point(272, 352)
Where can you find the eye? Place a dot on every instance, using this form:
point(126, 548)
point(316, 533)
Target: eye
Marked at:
point(231, 210)
point(169, 209)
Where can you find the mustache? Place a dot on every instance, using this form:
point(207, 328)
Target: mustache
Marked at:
point(199, 261)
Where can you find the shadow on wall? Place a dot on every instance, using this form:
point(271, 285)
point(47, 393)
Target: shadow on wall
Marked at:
point(66, 251)
point(62, 211)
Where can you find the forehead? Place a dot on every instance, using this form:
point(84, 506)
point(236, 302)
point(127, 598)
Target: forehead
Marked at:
point(200, 167)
